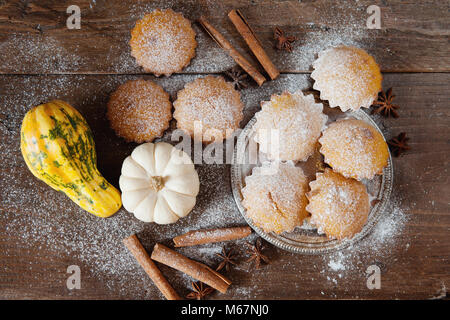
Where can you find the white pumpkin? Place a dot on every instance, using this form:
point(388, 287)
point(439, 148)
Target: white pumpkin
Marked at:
point(158, 183)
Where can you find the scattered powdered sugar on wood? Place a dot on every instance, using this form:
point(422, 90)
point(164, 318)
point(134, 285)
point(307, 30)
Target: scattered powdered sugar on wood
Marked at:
point(41, 221)
point(340, 24)
point(50, 49)
point(336, 265)
point(377, 245)
point(28, 51)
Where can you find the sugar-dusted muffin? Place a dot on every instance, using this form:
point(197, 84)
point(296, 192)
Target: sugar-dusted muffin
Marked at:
point(354, 148)
point(339, 206)
point(209, 107)
point(163, 42)
point(347, 77)
point(299, 121)
point(139, 111)
point(276, 202)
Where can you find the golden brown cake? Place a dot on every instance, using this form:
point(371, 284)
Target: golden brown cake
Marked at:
point(339, 206)
point(209, 106)
point(354, 148)
point(163, 42)
point(276, 202)
point(139, 111)
point(347, 77)
point(299, 121)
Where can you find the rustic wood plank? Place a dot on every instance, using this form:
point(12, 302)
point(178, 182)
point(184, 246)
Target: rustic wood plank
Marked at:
point(34, 38)
point(42, 232)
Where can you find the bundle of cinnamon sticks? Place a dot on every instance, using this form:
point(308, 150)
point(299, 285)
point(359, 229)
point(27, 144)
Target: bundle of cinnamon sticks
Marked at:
point(171, 258)
point(252, 41)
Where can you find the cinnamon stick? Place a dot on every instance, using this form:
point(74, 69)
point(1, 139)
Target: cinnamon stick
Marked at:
point(192, 268)
point(196, 237)
point(253, 43)
point(134, 245)
point(227, 46)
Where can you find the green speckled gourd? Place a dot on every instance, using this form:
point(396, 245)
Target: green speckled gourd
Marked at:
point(58, 148)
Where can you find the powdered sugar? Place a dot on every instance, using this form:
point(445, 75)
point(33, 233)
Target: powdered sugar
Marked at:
point(336, 265)
point(29, 51)
point(335, 25)
point(376, 245)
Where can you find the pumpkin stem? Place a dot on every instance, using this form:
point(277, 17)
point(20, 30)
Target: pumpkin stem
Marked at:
point(157, 183)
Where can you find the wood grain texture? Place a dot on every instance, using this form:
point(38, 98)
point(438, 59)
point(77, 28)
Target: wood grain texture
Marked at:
point(41, 230)
point(34, 39)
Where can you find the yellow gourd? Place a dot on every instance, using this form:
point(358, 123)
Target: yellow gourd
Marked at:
point(58, 148)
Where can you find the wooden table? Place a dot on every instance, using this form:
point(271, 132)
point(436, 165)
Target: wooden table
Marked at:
point(42, 232)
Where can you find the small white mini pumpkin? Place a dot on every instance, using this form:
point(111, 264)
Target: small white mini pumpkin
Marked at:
point(159, 183)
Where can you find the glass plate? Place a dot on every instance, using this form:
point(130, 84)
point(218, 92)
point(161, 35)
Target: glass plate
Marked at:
point(306, 239)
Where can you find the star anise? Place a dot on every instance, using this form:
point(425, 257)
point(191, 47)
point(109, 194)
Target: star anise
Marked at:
point(199, 291)
point(255, 251)
point(384, 104)
point(399, 144)
point(238, 77)
point(283, 42)
point(227, 259)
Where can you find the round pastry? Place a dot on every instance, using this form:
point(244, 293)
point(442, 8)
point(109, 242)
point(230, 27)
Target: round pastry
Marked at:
point(339, 206)
point(354, 148)
point(299, 121)
point(208, 108)
point(163, 42)
point(276, 202)
point(139, 111)
point(158, 183)
point(347, 77)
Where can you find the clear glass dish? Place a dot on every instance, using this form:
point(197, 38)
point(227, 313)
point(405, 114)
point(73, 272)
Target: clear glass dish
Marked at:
point(306, 239)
